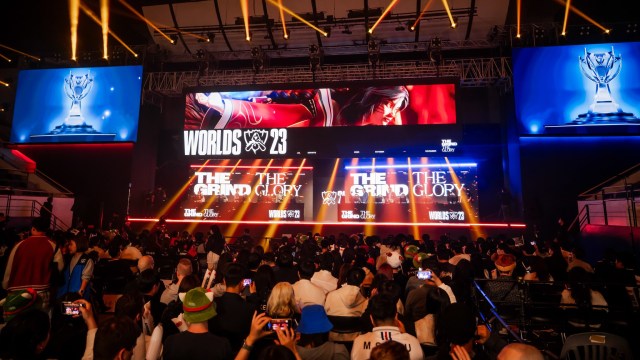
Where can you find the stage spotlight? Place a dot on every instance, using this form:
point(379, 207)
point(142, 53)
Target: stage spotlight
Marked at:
point(538, 33)
point(454, 23)
point(174, 39)
point(631, 29)
point(201, 54)
point(327, 30)
point(400, 28)
point(210, 37)
point(314, 57)
point(436, 42)
point(435, 51)
point(347, 30)
point(286, 34)
point(584, 31)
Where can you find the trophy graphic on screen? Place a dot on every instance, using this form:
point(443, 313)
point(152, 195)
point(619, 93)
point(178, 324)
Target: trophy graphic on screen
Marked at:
point(602, 68)
point(74, 128)
point(77, 88)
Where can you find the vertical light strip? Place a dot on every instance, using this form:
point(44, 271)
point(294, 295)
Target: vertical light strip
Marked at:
point(424, 10)
point(412, 202)
point(135, 12)
point(384, 14)
point(323, 207)
point(244, 4)
point(518, 12)
point(104, 16)
point(271, 230)
point(464, 201)
point(371, 205)
point(284, 23)
point(74, 14)
point(446, 7)
point(566, 17)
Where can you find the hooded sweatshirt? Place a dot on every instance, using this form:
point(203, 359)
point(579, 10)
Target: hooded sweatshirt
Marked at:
point(346, 301)
point(326, 351)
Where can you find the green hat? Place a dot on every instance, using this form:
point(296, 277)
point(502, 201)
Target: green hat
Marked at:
point(410, 251)
point(19, 301)
point(417, 259)
point(198, 306)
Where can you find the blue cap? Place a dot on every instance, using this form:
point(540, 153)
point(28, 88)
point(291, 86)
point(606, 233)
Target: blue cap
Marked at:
point(314, 320)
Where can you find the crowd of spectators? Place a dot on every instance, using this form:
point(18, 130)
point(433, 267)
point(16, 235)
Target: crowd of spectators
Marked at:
point(119, 294)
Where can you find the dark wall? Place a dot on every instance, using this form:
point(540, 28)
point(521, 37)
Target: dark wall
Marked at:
point(98, 175)
point(556, 170)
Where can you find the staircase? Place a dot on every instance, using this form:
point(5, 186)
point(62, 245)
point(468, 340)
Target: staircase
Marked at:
point(23, 190)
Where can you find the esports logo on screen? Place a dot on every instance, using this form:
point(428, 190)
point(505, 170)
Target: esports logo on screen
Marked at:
point(580, 89)
point(261, 122)
point(77, 105)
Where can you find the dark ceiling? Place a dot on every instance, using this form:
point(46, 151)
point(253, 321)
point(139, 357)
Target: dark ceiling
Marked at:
point(41, 27)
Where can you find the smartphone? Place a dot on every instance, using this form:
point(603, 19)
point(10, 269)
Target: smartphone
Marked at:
point(533, 243)
point(424, 274)
point(279, 324)
point(70, 308)
point(246, 282)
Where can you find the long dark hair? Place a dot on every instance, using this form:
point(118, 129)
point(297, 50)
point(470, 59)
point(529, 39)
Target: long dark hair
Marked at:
point(579, 287)
point(362, 105)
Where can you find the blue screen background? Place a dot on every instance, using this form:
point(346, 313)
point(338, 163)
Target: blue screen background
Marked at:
point(112, 105)
point(550, 89)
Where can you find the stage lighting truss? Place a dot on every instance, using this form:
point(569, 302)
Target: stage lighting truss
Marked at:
point(315, 53)
point(257, 58)
point(373, 49)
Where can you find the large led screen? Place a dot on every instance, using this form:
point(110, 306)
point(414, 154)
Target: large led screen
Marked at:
point(315, 121)
point(255, 193)
point(381, 190)
point(578, 89)
point(73, 105)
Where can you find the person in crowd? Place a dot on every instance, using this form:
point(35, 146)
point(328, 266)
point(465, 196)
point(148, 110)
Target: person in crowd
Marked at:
point(261, 285)
point(390, 350)
point(115, 339)
point(556, 263)
point(458, 254)
point(234, 313)
point(282, 302)
point(415, 307)
point(518, 351)
point(148, 284)
point(286, 271)
point(132, 306)
point(578, 292)
point(578, 261)
point(505, 289)
point(214, 247)
point(323, 278)
point(145, 263)
point(46, 212)
point(425, 328)
point(314, 341)
point(197, 342)
point(78, 271)
point(32, 262)
point(170, 293)
point(305, 291)
point(386, 327)
point(25, 336)
point(172, 317)
point(347, 301)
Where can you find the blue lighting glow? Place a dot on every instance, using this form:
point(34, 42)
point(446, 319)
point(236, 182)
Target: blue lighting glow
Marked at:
point(410, 166)
point(551, 90)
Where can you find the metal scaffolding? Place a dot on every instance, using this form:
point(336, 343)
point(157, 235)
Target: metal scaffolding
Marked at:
point(470, 72)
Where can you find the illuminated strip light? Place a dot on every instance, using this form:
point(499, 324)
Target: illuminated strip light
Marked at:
point(145, 20)
point(384, 14)
point(566, 17)
point(74, 14)
point(334, 223)
point(104, 15)
point(424, 10)
point(409, 166)
point(271, 230)
point(4, 83)
point(585, 16)
point(412, 201)
point(19, 52)
point(97, 21)
point(446, 7)
point(284, 24)
point(302, 20)
point(253, 167)
point(6, 58)
point(244, 5)
point(323, 208)
point(518, 11)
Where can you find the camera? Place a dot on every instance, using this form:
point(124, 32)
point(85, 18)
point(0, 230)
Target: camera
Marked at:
point(424, 274)
point(70, 308)
point(279, 324)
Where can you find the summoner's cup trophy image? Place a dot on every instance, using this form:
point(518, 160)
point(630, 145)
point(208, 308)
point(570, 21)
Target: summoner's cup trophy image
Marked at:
point(74, 128)
point(602, 68)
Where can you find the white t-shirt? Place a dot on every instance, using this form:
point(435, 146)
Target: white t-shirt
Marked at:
point(363, 344)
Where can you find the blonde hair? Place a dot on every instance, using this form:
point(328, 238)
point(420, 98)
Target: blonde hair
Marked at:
point(282, 301)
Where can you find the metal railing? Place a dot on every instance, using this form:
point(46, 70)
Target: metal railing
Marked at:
point(32, 208)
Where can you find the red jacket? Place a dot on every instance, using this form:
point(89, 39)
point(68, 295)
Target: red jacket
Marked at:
point(30, 264)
